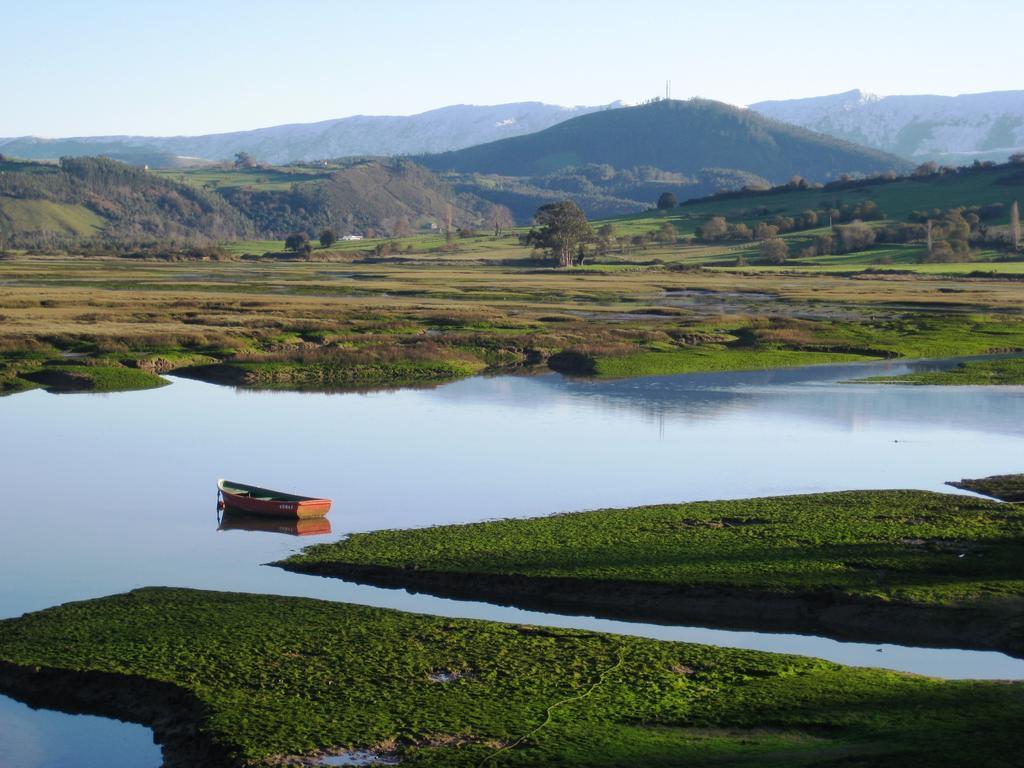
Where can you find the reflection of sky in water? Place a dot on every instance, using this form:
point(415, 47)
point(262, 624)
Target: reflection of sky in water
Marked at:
point(105, 493)
point(41, 739)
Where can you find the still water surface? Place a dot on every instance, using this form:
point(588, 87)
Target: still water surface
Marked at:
point(121, 487)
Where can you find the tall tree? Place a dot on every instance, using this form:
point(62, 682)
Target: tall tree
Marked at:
point(605, 237)
point(1015, 225)
point(667, 200)
point(449, 234)
point(402, 228)
point(560, 228)
point(501, 218)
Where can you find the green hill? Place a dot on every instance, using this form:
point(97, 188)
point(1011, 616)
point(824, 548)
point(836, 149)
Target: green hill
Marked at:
point(52, 205)
point(897, 198)
point(678, 136)
point(879, 222)
point(394, 197)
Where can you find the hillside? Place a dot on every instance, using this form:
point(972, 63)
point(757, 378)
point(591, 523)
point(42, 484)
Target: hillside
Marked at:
point(51, 205)
point(897, 199)
point(684, 137)
point(393, 197)
point(951, 129)
point(879, 223)
point(600, 190)
point(438, 130)
point(81, 199)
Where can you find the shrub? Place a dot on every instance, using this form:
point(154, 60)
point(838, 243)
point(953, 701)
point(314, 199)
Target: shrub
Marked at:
point(714, 228)
point(824, 244)
point(667, 200)
point(774, 250)
point(295, 241)
point(855, 237)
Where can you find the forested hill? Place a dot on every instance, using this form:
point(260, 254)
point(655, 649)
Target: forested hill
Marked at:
point(392, 197)
point(43, 204)
point(680, 136)
point(47, 205)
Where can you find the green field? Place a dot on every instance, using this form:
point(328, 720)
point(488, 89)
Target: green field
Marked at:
point(423, 247)
point(264, 179)
point(263, 677)
point(894, 259)
point(897, 199)
point(48, 216)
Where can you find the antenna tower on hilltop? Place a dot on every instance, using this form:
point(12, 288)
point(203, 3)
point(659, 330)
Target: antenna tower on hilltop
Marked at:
point(668, 90)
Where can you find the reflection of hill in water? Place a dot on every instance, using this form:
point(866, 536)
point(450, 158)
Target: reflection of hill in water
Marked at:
point(816, 393)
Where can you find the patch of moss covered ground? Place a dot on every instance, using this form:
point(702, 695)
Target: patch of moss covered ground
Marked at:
point(93, 378)
point(290, 676)
point(758, 345)
point(711, 360)
point(972, 373)
point(1002, 487)
point(915, 547)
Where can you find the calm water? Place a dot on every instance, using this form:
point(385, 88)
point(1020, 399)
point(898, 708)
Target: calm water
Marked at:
point(128, 483)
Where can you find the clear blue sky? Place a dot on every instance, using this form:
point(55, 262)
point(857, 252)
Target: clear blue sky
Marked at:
point(86, 67)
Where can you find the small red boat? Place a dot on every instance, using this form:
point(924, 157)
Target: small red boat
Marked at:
point(263, 501)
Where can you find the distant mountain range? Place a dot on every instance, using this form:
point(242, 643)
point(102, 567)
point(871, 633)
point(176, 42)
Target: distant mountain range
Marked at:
point(951, 129)
point(438, 130)
point(611, 161)
point(954, 130)
point(685, 137)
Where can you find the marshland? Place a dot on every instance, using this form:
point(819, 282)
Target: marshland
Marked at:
point(672, 432)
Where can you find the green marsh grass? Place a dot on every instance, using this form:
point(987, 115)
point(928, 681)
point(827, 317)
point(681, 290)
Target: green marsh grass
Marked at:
point(279, 676)
point(893, 545)
point(972, 373)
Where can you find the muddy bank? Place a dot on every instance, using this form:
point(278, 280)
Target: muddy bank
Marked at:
point(174, 716)
point(991, 626)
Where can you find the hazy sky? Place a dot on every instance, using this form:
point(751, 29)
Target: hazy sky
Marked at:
point(85, 67)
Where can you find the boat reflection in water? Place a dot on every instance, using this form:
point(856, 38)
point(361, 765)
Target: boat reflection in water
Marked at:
point(230, 520)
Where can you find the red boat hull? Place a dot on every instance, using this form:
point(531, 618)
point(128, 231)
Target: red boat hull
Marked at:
point(295, 509)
